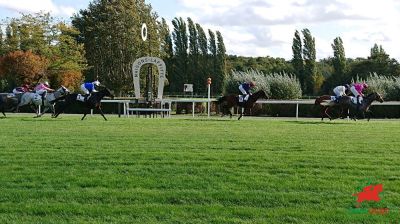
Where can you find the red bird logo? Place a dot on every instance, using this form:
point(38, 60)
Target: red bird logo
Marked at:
point(369, 193)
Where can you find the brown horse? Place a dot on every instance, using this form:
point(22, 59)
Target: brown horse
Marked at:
point(327, 105)
point(227, 102)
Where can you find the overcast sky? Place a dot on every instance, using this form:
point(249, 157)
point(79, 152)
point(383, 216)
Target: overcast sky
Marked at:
point(266, 27)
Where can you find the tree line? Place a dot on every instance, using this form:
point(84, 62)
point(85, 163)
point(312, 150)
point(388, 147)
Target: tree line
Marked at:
point(103, 40)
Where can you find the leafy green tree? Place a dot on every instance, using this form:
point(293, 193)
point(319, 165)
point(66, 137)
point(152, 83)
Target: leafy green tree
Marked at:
point(203, 59)
point(212, 48)
point(12, 37)
point(110, 31)
point(339, 60)
point(194, 55)
point(312, 80)
point(2, 50)
point(339, 64)
point(180, 38)
point(297, 60)
point(378, 62)
point(221, 64)
point(167, 50)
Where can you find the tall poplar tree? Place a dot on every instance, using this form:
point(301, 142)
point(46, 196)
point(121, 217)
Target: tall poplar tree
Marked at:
point(309, 55)
point(297, 60)
point(212, 48)
point(339, 62)
point(221, 64)
point(180, 37)
point(194, 55)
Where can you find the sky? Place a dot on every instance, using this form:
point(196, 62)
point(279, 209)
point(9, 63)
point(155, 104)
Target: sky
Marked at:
point(266, 27)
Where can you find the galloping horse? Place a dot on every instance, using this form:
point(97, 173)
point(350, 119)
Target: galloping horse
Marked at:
point(345, 103)
point(94, 101)
point(30, 98)
point(227, 102)
point(327, 105)
point(365, 104)
point(8, 103)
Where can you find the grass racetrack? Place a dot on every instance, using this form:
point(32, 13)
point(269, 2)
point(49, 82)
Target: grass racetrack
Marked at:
point(129, 170)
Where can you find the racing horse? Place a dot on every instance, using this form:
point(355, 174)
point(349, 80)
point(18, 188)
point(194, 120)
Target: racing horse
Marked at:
point(93, 101)
point(8, 103)
point(35, 99)
point(327, 105)
point(363, 108)
point(229, 101)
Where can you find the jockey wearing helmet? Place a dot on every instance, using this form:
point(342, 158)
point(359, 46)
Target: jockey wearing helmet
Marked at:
point(245, 89)
point(357, 90)
point(21, 89)
point(42, 89)
point(340, 91)
point(89, 87)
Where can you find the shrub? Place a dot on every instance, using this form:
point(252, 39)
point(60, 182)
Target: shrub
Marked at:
point(276, 86)
point(388, 87)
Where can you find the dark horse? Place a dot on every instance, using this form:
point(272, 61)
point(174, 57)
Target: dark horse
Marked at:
point(227, 102)
point(365, 105)
point(8, 103)
point(345, 104)
point(94, 101)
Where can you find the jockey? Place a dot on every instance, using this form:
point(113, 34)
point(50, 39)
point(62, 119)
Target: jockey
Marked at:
point(22, 89)
point(357, 89)
point(340, 91)
point(42, 89)
point(245, 89)
point(89, 87)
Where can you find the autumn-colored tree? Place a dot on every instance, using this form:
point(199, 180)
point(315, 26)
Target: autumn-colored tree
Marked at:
point(70, 79)
point(21, 67)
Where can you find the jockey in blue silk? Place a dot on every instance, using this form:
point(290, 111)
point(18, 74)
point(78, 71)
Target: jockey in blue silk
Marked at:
point(89, 87)
point(245, 89)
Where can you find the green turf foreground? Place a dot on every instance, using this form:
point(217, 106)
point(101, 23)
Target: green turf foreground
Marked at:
point(196, 170)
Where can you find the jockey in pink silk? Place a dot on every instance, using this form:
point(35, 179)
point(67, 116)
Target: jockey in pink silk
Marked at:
point(42, 89)
point(357, 90)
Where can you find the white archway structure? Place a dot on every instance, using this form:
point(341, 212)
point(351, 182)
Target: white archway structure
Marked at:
point(136, 74)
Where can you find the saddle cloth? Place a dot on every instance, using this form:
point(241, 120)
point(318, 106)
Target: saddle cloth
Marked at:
point(354, 99)
point(80, 97)
point(241, 98)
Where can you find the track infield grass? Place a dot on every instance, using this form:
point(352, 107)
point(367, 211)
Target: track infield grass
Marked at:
point(196, 170)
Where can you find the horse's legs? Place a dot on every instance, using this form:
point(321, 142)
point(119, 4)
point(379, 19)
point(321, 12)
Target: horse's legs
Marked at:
point(101, 112)
point(45, 109)
point(241, 113)
point(84, 114)
point(326, 113)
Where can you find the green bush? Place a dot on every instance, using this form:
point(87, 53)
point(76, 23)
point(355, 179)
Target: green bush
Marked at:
point(276, 86)
point(388, 87)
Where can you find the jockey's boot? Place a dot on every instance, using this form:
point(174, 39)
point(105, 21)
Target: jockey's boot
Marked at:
point(358, 103)
point(87, 97)
point(337, 99)
point(246, 98)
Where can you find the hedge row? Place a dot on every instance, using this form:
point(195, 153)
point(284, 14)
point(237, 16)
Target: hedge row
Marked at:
point(277, 86)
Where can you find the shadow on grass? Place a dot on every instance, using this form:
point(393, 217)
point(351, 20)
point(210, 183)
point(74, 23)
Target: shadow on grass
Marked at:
point(343, 122)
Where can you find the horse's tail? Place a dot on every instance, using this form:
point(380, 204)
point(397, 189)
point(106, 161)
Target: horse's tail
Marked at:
point(317, 101)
